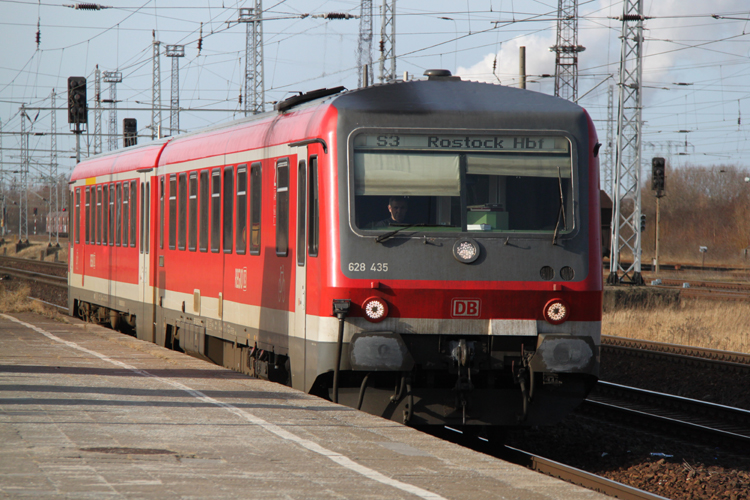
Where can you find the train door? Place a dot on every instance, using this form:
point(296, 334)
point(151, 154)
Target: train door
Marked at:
point(298, 337)
point(145, 326)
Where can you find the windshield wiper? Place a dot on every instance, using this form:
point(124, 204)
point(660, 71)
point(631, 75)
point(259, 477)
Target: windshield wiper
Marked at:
point(386, 236)
point(561, 211)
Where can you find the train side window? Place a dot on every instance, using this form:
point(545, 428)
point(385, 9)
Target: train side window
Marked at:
point(133, 212)
point(301, 206)
point(118, 215)
point(143, 213)
point(228, 199)
point(77, 215)
point(193, 215)
point(215, 210)
point(161, 212)
point(282, 207)
point(255, 207)
point(105, 214)
point(98, 216)
point(241, 209)
point(125, 213)
point(172, 211)
point(87, 214)
point(147, 204)
point(313, 221)
point(204, 211)
point(111, 214)
point(182, 214)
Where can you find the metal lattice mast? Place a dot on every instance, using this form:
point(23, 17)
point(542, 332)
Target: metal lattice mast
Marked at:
point(254, 82)
point(113, 78)
point(609, 157)
point(364, 49)
point(388, 41)
point(23, 202)
point(3, 222)
point(626, 199)
point(156, 91)
point(566, 50)
point(53, 198)
point(175, 52)
point(98, 111)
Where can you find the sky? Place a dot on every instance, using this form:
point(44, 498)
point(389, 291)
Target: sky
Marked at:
point(696, 63)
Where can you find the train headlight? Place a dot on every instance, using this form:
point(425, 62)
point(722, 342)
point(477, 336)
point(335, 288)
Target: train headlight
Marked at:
point(556, 311)
point(466, 250)
point(376, 309)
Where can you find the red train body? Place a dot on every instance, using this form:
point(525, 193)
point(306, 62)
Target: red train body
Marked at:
point(265, 245)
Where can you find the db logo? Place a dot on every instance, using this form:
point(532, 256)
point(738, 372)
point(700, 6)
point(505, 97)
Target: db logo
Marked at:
point(465, 308)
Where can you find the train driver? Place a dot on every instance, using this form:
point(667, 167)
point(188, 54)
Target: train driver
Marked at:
point(397, 206)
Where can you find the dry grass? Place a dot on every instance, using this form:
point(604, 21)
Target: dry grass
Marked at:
point(17, 301)
point(34, 252)
point(715, 325)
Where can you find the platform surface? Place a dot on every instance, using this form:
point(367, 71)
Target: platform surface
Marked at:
point(86, 412)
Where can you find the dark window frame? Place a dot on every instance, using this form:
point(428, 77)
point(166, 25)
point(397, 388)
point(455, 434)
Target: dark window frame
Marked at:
point(133, 213)
point(77, 215)
point(313, 212)
point(282, 207)
point(301, 210)
point(193, 211)
point(87, 214)
point(256, 206)
point(182, 211)
point(112, 214)
point(125, 213)
point(216, 210)
point(227, 244)
point(161, 212)
point(241, 210)
point(118, 214)
point(205, 198)
point(172, 195)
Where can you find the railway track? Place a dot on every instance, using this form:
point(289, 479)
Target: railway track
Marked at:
point(709, 422)
point(59, 269)
point(677, 352)
point(33, 276)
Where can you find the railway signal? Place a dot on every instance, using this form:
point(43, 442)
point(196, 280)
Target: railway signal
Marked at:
point(77, 110)
point(657, 175)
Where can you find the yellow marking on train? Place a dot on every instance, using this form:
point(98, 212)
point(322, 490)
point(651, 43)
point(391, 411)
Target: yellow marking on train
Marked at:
point(90, 181)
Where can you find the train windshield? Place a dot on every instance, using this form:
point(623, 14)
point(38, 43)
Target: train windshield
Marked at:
point(480, 184)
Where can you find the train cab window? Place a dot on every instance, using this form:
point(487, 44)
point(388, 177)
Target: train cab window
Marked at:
point(205, 189)
point(133, 212)
point(182, 214)
point(301, 207)
point(86, 214)
point(105, 214)
point(172, 212)
point(255, 207)
point(313, 221)
point(118, 216)
point(161, 212)
point(478, 184)
point(193, 215)
point(228, 200)
point(282, 207)
point(98, 216)
point(77, 216)
point(215, 210)
point(111, 214)
point(241, 210)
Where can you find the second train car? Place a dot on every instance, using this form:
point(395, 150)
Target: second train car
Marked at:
point(427, 251)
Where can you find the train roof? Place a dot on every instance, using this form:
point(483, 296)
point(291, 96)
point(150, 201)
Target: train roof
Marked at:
point(458, 103)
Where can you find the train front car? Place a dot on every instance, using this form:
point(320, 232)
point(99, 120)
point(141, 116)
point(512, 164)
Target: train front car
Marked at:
point(467, 282)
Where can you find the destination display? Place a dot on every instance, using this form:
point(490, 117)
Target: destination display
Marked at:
point(442, 142)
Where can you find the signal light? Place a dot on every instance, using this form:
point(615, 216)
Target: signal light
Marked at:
point(657, 174)
point(376, 309)
point(643, 222)
point(77, 111)
point(129, 132)
point(556, 311)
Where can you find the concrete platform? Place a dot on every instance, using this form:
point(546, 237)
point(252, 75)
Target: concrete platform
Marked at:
point(86, 412)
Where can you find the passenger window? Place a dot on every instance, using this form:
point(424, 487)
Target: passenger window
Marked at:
point(125, 213)
point(105, 213)
point(172, 211)
point(215, 210)
point(87, 214)
point(228, 199)
point(147, 217)
point(118, 215)
point(161, 212)
point(241, 209)
point(282, 207)
point(313, 212)
point(98, 215)
point(204, 211)
point(193, 208)
point(133, 212)
point(143, 213)
point(255, 207)
point(77, 216)
point(111, 214)
point(301, 206)
point(182, 228)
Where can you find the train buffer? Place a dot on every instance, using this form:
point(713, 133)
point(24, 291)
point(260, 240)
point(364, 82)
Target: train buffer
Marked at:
point(89, 412)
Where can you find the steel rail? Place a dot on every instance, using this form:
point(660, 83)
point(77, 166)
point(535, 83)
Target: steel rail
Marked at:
point(677, 351)
point(46, 279)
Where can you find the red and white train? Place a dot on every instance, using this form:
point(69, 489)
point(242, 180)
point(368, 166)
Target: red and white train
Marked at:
point(267, 245)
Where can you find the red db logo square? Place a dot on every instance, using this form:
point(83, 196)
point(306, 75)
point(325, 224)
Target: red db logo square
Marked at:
point(466, 308)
